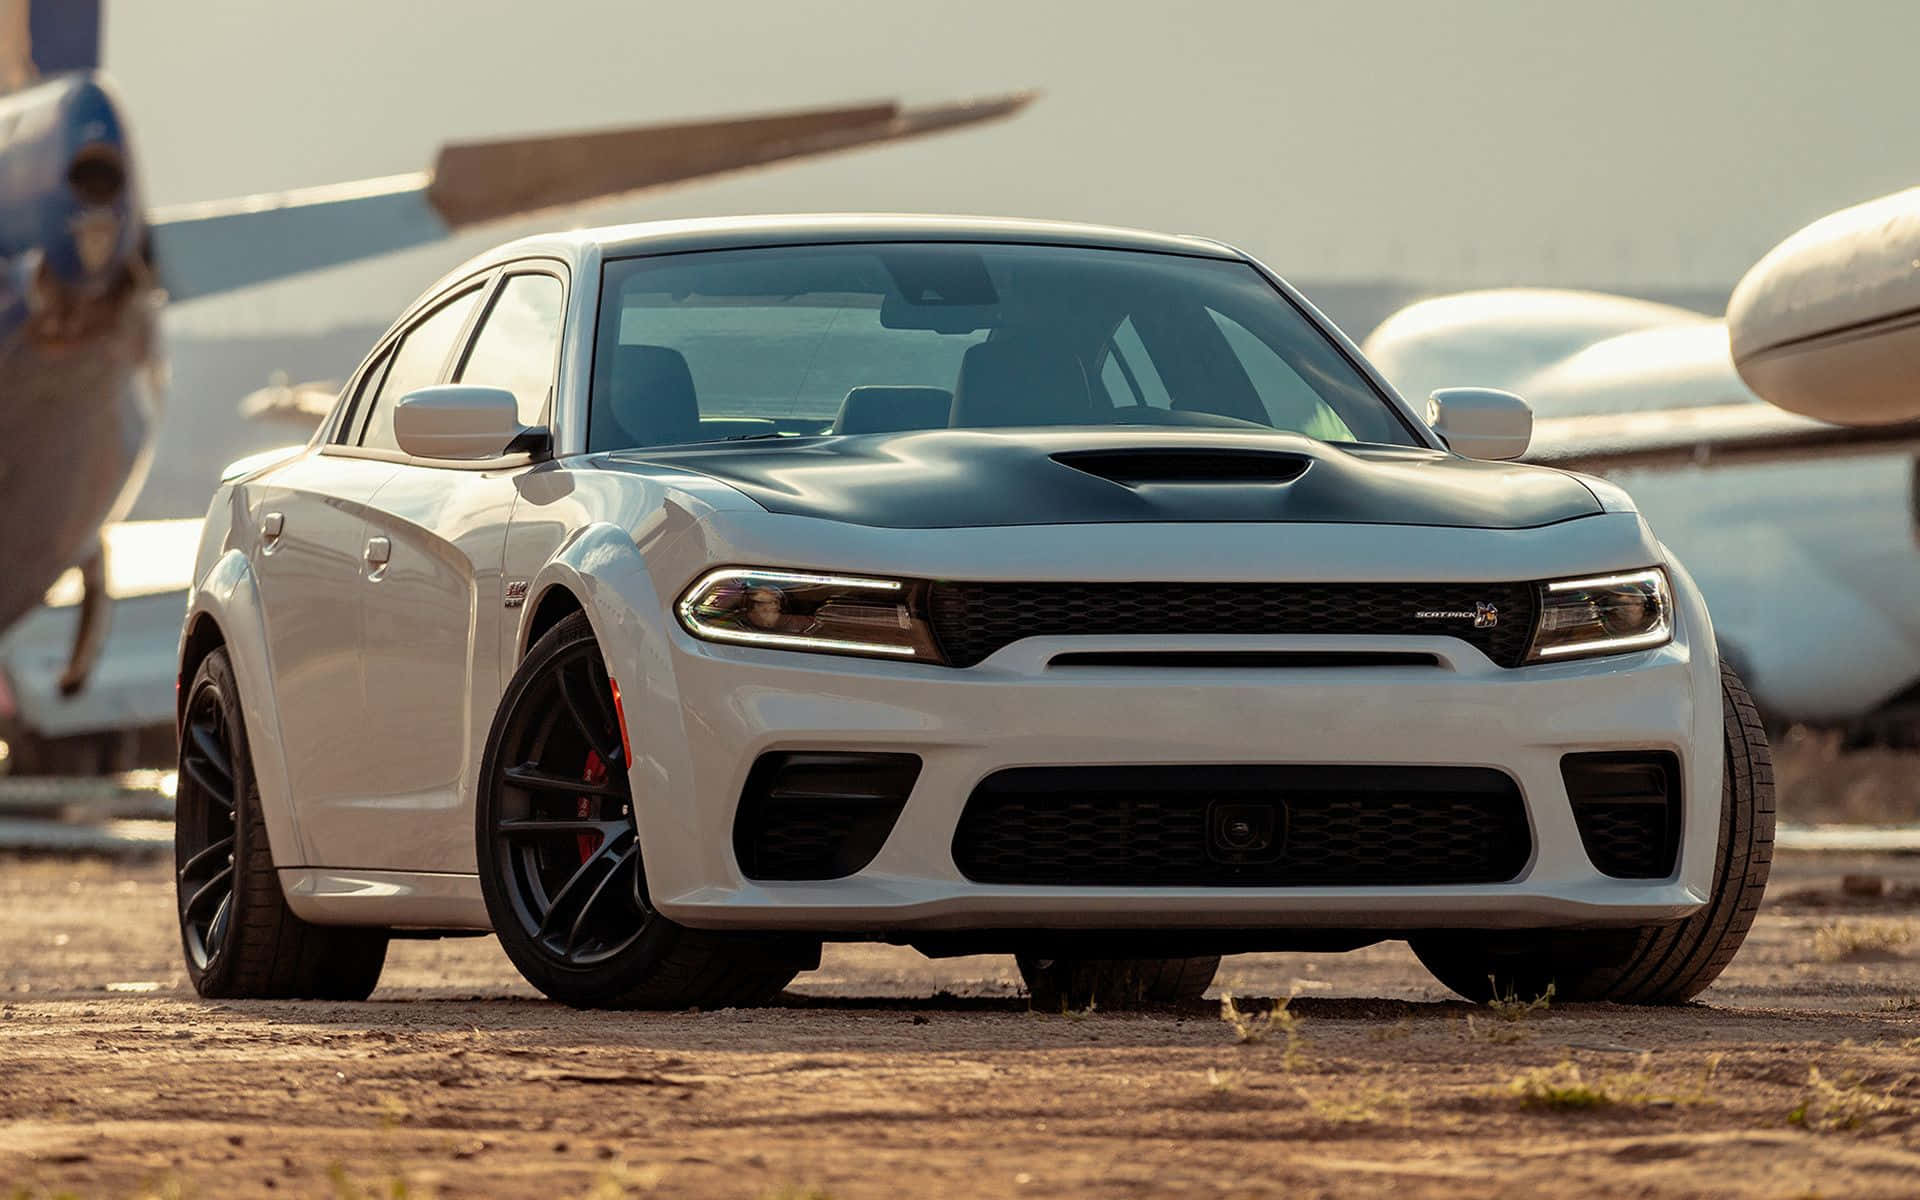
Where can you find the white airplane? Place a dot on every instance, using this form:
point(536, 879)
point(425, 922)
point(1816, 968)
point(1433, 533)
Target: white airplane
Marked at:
point(1803, 533)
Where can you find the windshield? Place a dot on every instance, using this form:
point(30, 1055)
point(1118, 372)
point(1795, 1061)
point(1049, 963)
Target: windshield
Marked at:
point(853, 339)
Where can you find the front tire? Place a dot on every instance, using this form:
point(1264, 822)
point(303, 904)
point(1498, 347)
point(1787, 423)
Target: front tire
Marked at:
point(240, 938)
point(559, 854)
point(1075, 984)
point(1654, 964)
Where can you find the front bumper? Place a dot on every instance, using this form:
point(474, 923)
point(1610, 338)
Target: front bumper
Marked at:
point(1017, 709)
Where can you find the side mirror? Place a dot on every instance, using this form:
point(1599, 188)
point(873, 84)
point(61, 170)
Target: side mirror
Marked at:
point(1481, 422)
point(459, 420)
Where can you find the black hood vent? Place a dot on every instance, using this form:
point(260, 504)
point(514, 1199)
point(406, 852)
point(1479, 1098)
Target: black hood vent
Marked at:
point(1183, 465)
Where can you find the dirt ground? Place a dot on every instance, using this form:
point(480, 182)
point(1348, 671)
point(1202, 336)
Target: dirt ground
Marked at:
point(1821, 782)
point(884, 1074)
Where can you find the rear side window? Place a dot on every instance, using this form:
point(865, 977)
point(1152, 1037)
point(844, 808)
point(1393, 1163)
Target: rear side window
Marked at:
point(416, 364)
point(355, 418)
point(519, 340)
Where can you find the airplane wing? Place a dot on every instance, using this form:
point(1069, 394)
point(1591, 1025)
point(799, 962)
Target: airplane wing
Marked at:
point(1718, 435)
point(203, 249)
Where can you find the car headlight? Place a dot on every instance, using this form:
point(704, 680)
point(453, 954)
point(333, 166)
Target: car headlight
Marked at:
point(1607, 614)
point(797, 610)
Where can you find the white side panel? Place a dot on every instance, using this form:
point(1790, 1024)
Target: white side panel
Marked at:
point(402, 899)
point(432, 623)
point(229, 595)
point(309, 577)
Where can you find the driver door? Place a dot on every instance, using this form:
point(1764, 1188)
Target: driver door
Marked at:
point(435, 610)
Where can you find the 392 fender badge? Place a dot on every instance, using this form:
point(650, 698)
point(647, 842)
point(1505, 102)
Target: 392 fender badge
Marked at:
point(516, 592)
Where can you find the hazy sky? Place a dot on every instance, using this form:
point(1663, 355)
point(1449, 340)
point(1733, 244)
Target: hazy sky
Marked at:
point(1620, 143)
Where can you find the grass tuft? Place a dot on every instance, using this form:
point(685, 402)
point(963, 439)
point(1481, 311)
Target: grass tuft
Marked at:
point(1831, 1106)
point(1512, 1008)
point(1563, 1087)
point(1854, 941)
point(1222, 1082)
point(1359, 1107)
point(1251, 1028)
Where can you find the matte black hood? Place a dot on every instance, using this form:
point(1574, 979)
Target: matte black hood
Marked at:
point(955, 478)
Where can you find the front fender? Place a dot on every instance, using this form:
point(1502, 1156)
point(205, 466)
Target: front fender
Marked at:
point(607, 572)
point(229, 595)
point(1700, 828)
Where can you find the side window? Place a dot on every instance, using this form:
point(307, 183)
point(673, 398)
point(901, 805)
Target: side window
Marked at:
point(1128, 373)
point(1291, 403)
point(354, 418)
point(416, 364)
point(518, 341)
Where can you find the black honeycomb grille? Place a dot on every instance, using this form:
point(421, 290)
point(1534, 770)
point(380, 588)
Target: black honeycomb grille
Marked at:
point(1627, 807)
point(819, 814)
point(1160, 826)
point(973, 620)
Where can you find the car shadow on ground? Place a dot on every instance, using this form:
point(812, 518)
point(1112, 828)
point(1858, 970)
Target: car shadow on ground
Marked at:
point(946, 1022)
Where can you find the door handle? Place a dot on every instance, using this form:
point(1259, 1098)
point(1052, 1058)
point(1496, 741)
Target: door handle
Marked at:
point(379, 552)
point(271, 526)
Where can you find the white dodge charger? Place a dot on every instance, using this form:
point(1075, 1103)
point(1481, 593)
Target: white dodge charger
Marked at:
point(669, 599)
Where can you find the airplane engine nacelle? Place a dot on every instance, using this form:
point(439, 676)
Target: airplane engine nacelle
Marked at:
point(1825, 325)
point(67, 190)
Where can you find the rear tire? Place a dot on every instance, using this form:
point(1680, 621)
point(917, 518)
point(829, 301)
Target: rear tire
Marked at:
point(570, 904)
point(1654, 964)
point(240, 938)
point(1074, 984)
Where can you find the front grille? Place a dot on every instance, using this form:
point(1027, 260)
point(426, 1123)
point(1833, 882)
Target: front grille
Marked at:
point(1346, 826)
point(813, 815)
point(973, 620)
point(1627, 806)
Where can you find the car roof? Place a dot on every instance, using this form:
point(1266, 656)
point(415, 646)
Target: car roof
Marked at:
point(721, 233)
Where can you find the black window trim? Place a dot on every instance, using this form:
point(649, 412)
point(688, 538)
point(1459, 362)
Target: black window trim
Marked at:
point(414, 313)
point(508, 272)
point(371, 374)
point(487, 282)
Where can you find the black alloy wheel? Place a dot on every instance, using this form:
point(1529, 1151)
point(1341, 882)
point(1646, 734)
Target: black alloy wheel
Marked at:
point(560, 861)
point(564, 823)
point(240, 938)
point(206, 807)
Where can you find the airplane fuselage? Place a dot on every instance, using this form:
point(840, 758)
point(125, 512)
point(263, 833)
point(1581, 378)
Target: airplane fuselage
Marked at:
point(80, 367)
point(1810, 570)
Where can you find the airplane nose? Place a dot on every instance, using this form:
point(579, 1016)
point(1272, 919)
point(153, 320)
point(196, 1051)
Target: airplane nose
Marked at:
point(97, 174)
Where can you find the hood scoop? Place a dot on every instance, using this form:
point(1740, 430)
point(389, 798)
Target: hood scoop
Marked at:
point(1068, 475)
point(1181, 465)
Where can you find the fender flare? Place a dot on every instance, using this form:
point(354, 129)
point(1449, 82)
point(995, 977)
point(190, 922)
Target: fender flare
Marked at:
point(607, 573)
point(1705, 772)
point(229, 595)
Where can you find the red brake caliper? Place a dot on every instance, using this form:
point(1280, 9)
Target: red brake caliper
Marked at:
point(596, 772)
